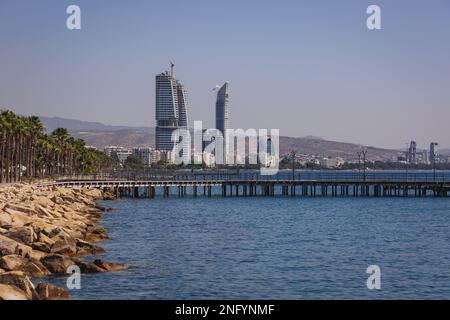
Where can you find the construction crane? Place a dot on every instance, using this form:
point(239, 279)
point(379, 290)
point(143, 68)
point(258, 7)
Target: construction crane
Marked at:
point(172, 64)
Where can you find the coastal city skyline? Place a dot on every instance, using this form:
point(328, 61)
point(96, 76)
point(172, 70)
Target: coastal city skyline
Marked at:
point(289, 68)
point(172, 112)
point(224, 159)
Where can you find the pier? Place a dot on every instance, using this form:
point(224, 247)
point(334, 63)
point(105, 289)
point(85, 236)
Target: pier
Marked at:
point(244, 185)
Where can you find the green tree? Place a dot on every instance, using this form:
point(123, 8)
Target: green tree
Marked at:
point(26, 151)
point(133, 163)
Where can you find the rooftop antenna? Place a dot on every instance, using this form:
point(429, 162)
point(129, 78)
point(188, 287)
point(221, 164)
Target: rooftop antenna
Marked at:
point(172, 64)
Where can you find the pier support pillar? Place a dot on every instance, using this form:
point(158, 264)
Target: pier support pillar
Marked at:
point(166, 191)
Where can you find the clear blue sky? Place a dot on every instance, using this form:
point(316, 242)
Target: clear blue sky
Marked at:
point(306, 67)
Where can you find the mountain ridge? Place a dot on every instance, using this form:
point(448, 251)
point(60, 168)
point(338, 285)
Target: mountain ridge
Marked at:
point(99, 135)
point(51, 123)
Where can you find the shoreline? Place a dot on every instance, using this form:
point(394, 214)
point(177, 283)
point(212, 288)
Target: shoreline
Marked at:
point(45, 231)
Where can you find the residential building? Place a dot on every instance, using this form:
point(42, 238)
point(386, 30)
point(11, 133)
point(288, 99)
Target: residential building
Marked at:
point(331, 162)
point(433, 156)
point(412, 152)
point(109, 150)
point(222, 111)
point(145, 155)
point(163, 156)
point(171, 109)
point(121, 156)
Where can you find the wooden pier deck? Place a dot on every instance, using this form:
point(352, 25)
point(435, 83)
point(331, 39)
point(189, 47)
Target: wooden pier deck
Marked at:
point(264, 187)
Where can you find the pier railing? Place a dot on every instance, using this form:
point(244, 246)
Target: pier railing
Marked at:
point(234, 175)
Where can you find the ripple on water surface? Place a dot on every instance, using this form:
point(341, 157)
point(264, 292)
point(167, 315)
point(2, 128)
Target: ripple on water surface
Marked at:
point(269, 248)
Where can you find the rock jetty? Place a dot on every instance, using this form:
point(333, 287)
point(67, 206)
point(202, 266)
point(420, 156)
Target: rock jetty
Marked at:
point(45, 231)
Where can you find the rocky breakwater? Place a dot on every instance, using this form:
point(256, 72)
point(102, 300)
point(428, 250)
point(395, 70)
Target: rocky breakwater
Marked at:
point(45, 231)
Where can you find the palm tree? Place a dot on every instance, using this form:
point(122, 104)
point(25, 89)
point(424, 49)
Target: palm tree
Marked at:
point(4, 128)
point(37, 130)
point(60, 135)
point(24, 144)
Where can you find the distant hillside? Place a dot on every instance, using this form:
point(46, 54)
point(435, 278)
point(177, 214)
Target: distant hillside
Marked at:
point(321, 147)
point(77, 125)
point(123, 138)
point(100, 135)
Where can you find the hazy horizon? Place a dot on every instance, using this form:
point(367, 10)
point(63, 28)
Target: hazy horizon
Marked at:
point(305, 67)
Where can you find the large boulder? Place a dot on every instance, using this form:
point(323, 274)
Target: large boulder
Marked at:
point(5, 219)
point(64, 244)
point(42, 201)
point(10, 246)
point(73, 231)
point(28, 265)
point(109, 196)
point(19, 220)
point(56, 263)
point(110, 266)
point(68, 199)
point(12, 211)
point(95, 194)
point(41, 246)
point(88, 267)
point(20, 209)
point(76, 206)
point(8, 292)
point(64, 247)
point(46, 239)
point(43, 227)
point(37, 255)
point(36, 268)
point(12, 262)
point(57, 200)
point(44, 212)
point(96, 234)
point(20, 280)
point(25, 235)
point(86, 248)
point(47, 291)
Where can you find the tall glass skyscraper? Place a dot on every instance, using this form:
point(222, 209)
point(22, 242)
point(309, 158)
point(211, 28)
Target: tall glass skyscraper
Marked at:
point(222, 110)
point(171, 109)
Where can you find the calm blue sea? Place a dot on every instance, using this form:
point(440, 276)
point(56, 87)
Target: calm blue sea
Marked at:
point(273, 248)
